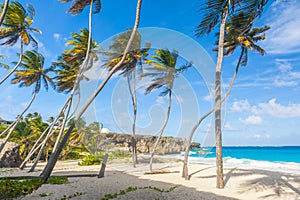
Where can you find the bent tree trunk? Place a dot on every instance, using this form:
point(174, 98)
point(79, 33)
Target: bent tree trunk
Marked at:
point(16, 66)
point(187, 150)
point(53, 159)
point(162, 130)
point(14, 124)
point(4, 10)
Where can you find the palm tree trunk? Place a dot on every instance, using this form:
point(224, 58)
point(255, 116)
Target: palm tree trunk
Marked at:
point(62, 127)
point(187, 150)
point(16, 66)
point(134, 104)
point(218, 124)
point(16, 122)
point(53, 159)
point(4, 10)
point(162, 129)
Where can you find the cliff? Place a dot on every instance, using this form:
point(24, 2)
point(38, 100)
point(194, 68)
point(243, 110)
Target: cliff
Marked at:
point(145, 143)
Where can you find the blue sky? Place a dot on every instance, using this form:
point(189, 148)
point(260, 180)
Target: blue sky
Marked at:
point(263, 108)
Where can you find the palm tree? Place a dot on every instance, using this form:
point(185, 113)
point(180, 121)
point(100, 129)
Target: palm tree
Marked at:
point(17, 26)
point(134, 59)
point(79, 5)
point(216, 12)
point(67, 73)
point(32, 73)
point(53, 159)
point(163, 72)
point(3, 10)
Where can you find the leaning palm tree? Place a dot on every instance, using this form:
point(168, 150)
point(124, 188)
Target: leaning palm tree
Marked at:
point(17, 26)
point(217, 12)
point(73, 63)
point(163, 71)
point(67, 70)
point(128, 69)
point(53, 159)
point(32, 73)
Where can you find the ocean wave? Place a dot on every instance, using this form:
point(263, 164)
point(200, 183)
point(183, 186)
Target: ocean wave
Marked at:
point(244, 163)
point(288, 167)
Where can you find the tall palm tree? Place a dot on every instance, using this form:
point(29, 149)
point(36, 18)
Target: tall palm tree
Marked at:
point(78, 6)
point(3, 10)
point(67, 70)
point(216, 12)
point(163, 71)
point(53, 159)
point(17, 26)
point(128, 69)
point(32, 73)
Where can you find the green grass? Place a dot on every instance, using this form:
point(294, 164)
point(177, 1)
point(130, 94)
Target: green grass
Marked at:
point(18, 187)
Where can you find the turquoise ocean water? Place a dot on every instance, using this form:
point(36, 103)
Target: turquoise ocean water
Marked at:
point(284, 158)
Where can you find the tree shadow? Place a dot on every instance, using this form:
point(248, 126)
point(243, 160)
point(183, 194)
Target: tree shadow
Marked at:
point(276, 181)
point(228, 175)
point(190, 176)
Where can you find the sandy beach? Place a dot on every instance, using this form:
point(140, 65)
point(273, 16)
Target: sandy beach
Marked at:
point(240, 183)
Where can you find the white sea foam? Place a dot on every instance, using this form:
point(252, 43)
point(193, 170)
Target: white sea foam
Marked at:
point(287, 167)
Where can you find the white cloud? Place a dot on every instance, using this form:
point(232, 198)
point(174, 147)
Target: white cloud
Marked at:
point(284, 35)
point(252, 120)
point(284, 83)
point(229, 127)
point(57, 36)
point(160, 100)
point(277, 110)
point(260, 136)
point(209, 97)
point(240, 106)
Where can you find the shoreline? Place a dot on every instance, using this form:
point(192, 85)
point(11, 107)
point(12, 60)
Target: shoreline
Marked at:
point(119, 175)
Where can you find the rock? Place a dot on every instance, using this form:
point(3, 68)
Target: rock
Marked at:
point(195, 145)
point(10, 155)
point(145, 143)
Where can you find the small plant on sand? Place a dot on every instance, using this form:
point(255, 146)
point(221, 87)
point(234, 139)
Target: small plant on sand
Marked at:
point(131, 189)
point(72, 196)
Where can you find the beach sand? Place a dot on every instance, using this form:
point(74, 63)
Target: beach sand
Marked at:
point(119, 175)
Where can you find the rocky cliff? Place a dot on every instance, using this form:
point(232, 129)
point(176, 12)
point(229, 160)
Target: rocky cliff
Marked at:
point(10, 155)
point(145, 143)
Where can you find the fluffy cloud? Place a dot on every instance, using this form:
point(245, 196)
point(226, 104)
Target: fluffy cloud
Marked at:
point(271, 108)
point(252, 120)
point(240, 106)
point(277, 110)
point(284, 36)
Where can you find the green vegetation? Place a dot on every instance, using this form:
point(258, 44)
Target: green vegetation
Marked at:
point(134, 188)
point(13, 188)
point(97, 158)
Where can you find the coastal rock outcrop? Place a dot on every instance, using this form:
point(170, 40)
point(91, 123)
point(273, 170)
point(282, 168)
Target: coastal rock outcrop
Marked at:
point(10, 155)
point(145, 143)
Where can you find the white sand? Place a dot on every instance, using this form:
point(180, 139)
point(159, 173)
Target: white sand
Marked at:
point(240, 183)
